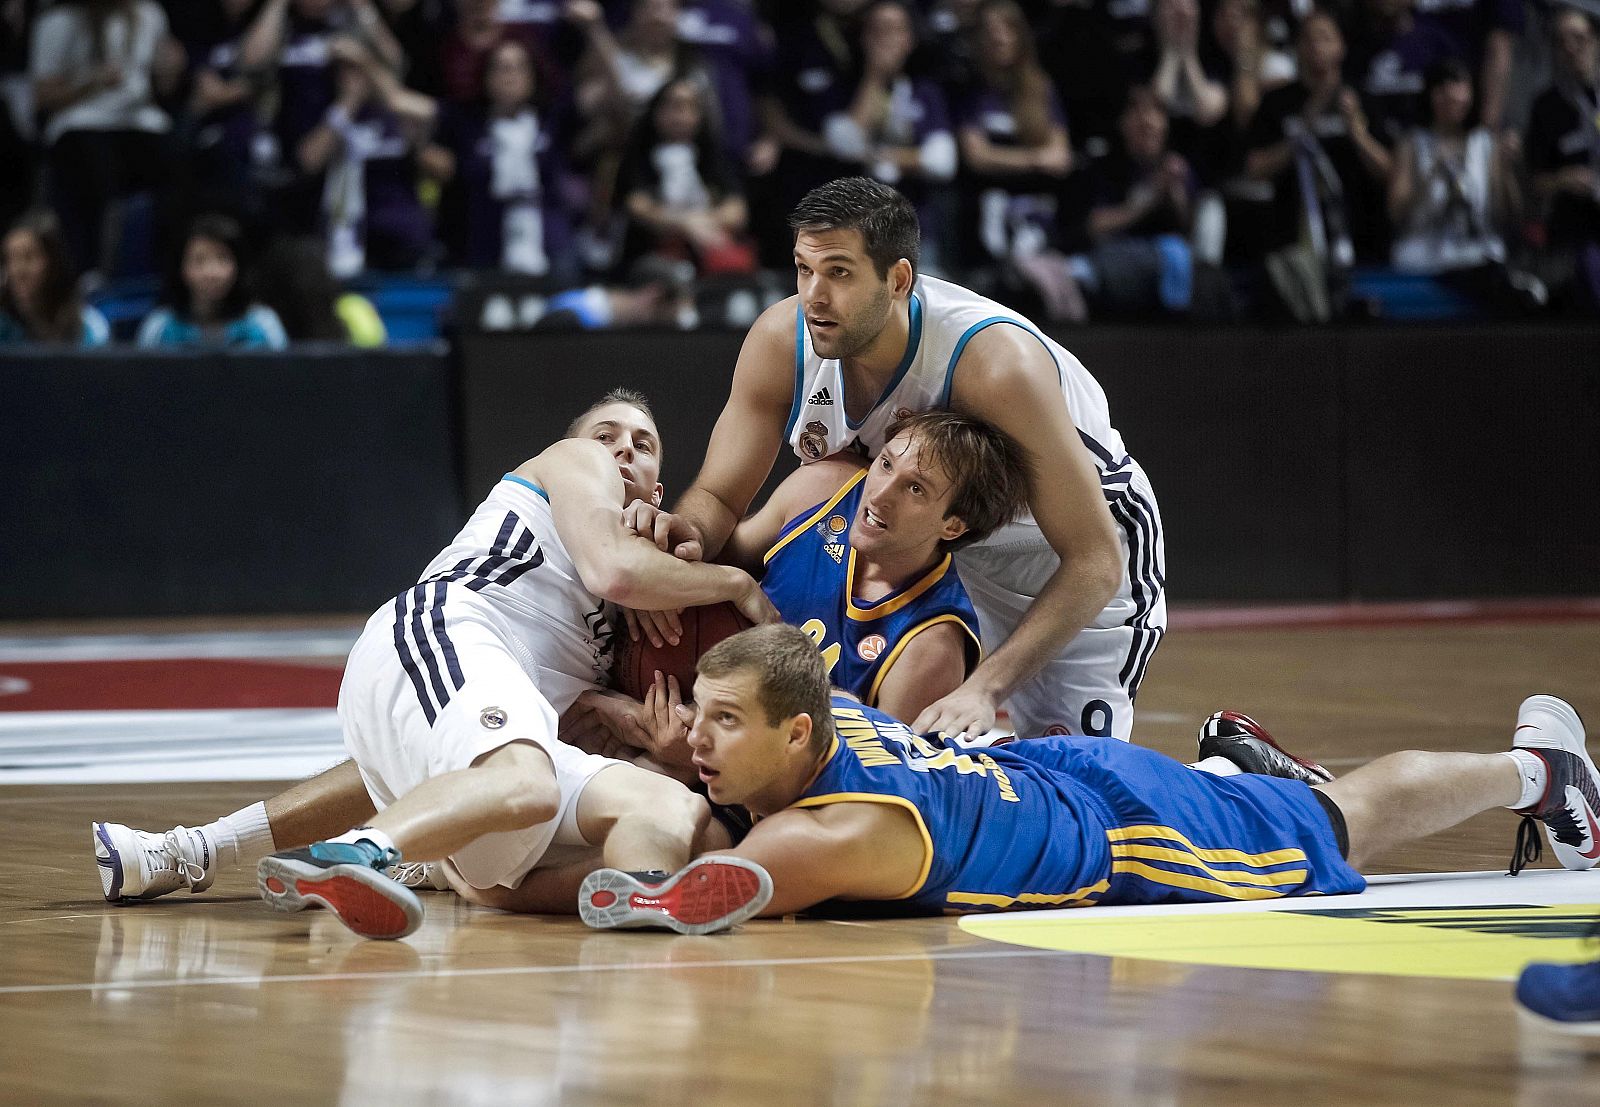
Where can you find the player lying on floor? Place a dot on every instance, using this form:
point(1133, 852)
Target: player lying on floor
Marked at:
point(451, 697)
point(942, 480)
point(854, 805)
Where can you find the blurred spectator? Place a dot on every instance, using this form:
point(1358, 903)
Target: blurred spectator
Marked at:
point(952, 36)
point(1013, 137)
point(616, 78)
point(737, 49)
point(40, 302)
point(1143, 189)
point(98, 66)
point(1483, 33)
point(17, 154)
point(896, 127)
point(1454, 186)
point(1329, 175)
point(294, 41)
point(1094, 50)
point(420, 27)
point(465, 53)
point(221, 122)
point(816, 58)
point(367, 144)
point(1140, 261)
point(295, 282)
point(680, 195)
point(502, 205)
point(1390, 51)
point(207, 300)
point(1239, 51)
point(1564, 154)
point(1193, 98)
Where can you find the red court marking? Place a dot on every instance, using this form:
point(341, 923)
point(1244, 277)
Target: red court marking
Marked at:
point(167, 683)
point(1420, 613)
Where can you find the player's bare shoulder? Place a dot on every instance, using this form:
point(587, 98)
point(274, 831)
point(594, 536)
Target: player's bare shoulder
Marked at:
point(768, 350)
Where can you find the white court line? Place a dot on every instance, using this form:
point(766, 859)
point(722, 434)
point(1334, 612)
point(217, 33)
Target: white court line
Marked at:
point(531, 970)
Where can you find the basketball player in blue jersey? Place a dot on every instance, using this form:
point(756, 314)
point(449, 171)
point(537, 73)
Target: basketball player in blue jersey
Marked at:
point(859, 555)
point(1071, 598)
point(449, 708)
point(855, 805)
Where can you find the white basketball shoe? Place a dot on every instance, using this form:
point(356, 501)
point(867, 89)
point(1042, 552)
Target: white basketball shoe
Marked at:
point(1570, 806)
point(137, 865)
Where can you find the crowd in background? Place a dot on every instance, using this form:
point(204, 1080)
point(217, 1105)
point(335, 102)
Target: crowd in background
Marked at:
point(1078, 158)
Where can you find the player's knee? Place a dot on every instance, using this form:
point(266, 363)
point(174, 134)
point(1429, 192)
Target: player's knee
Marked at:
point(527, 791)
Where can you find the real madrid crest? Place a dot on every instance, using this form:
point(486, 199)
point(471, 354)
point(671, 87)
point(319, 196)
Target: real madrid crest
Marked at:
point(814, 440)
point(492, 717)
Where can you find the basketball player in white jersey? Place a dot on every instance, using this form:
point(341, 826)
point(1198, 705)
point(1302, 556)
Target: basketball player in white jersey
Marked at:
point(1070, 599)
point(450, 701)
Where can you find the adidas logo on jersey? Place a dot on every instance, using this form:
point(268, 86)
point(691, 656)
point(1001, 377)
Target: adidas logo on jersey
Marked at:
point(834, 550)
point(820, 398)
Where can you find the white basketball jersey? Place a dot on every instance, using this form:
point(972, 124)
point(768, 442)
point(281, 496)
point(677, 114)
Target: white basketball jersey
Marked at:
point(508, 566)
point(944, 317)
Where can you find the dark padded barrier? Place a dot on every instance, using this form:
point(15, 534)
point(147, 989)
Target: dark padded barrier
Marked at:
point(519, 392)
point(1291, 464)
point(171, 483)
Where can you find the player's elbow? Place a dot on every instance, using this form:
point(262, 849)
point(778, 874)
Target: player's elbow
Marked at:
point(1103, 572)
point(618, 582)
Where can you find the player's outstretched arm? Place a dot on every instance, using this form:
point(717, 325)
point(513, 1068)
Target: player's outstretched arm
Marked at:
point(586, 495)
point(801, 490)
point(1007, 378)
point(851, 851)
point(748, 434)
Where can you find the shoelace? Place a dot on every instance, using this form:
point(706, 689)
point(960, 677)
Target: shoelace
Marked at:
point(413, 874)
point(191, 871)
point(1529, 847)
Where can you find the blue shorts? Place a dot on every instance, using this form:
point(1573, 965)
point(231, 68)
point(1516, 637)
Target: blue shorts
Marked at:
point(1177, 835)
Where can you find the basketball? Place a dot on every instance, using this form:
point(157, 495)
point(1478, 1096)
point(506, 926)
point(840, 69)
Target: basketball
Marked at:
point(635, 665)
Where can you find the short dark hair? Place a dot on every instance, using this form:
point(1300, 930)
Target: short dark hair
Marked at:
point(887, 220)
point(791, 677)
point(1443, 72)
point(628, 396)
point(988, 469)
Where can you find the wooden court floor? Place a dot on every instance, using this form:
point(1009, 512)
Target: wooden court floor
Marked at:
point(216, 999)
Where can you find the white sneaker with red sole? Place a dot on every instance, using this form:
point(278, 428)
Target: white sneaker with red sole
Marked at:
point(703, 897)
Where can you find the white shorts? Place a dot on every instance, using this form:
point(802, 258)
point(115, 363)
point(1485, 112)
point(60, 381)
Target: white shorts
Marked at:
point(1089, 687)
point(385, 707)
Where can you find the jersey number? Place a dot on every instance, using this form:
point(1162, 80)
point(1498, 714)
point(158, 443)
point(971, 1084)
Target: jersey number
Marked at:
point(816, 630)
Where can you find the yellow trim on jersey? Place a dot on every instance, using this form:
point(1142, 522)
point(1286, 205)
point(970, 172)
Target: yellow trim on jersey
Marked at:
point(1201, 884)
point(795, 532)
point(895, 801)
point(1238, 876)
point(1071, 899)
point(1166, 833)
point(905, 640)
point(894, 603)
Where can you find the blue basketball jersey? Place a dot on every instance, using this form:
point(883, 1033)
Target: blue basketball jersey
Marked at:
point(1070, 822)
point(810, 579)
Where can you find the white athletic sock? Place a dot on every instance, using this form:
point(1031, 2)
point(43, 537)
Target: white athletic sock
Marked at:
point(242, 838)
point(1535, 777)
point(367, 834)
point(1217, 765)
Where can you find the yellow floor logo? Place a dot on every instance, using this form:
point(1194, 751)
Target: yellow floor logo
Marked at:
point(1486, 941)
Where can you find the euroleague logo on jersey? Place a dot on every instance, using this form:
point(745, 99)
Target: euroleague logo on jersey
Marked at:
point(871, 647)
